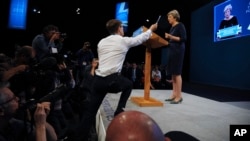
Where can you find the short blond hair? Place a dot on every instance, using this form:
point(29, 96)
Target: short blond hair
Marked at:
point(175, 14)
point(228, 7)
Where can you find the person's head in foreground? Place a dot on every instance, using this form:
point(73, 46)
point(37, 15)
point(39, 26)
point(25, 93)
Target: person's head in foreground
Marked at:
point(134, 126)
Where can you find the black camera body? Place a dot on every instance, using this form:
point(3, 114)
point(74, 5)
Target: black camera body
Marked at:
point(53, 96)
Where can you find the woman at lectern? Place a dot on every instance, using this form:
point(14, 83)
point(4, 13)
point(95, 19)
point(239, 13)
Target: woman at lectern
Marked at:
point(177, 37)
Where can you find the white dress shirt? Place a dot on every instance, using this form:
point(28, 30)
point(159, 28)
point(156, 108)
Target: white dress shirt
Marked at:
point(112, 51)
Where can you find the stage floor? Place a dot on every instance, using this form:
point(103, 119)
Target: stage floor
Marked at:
point(203, 118)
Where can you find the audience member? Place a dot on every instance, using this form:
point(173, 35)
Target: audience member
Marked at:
point(54, 78)
point(133, 126)
point(15, 72)
point(84, 57)
point(13, 129)
point(85, 87)
point(40, 116)
point(48, 42)
point(156, 77)
point(4, 58)
point(9, 67)
point(137, 126)
point(135, 75)
point(80, 96)
point(111, 51)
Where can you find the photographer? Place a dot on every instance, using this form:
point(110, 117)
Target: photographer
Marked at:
point(13, 129)
point(14, 72)
point(47, 43)
point(84, 57)
point(54, 73)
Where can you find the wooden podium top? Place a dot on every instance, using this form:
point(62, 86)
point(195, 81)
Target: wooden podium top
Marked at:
point(155, 41)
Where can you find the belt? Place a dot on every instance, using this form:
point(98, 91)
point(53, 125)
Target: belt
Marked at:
point(113, 74)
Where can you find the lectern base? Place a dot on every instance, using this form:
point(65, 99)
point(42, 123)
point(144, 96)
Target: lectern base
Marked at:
point(142, 102)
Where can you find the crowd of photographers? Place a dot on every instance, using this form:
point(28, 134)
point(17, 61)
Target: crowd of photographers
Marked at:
point(43, 93)
point(40, 99)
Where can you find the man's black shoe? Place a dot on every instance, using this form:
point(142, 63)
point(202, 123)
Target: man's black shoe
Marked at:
point(118, 112)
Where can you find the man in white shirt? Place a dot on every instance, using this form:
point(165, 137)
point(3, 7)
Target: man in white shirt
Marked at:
point(111, 51)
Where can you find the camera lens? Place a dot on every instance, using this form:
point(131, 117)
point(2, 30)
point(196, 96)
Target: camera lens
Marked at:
point(63, 35)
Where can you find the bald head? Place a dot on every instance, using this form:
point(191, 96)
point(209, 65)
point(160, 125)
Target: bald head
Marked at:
point(133, 126)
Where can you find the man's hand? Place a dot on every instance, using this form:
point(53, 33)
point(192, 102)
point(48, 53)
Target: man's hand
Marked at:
point(40, 115)
point(153, 27)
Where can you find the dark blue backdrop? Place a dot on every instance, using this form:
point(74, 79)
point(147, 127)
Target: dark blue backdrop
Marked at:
point(225, 63)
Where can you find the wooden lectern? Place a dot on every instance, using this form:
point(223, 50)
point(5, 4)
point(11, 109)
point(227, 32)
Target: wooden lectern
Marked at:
point(155, 41)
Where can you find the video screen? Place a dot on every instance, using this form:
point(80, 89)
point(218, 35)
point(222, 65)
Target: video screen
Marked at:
point(122, 14)
point(224, 62)
point(18, 14)
point(231, 19)
point(138, 31)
